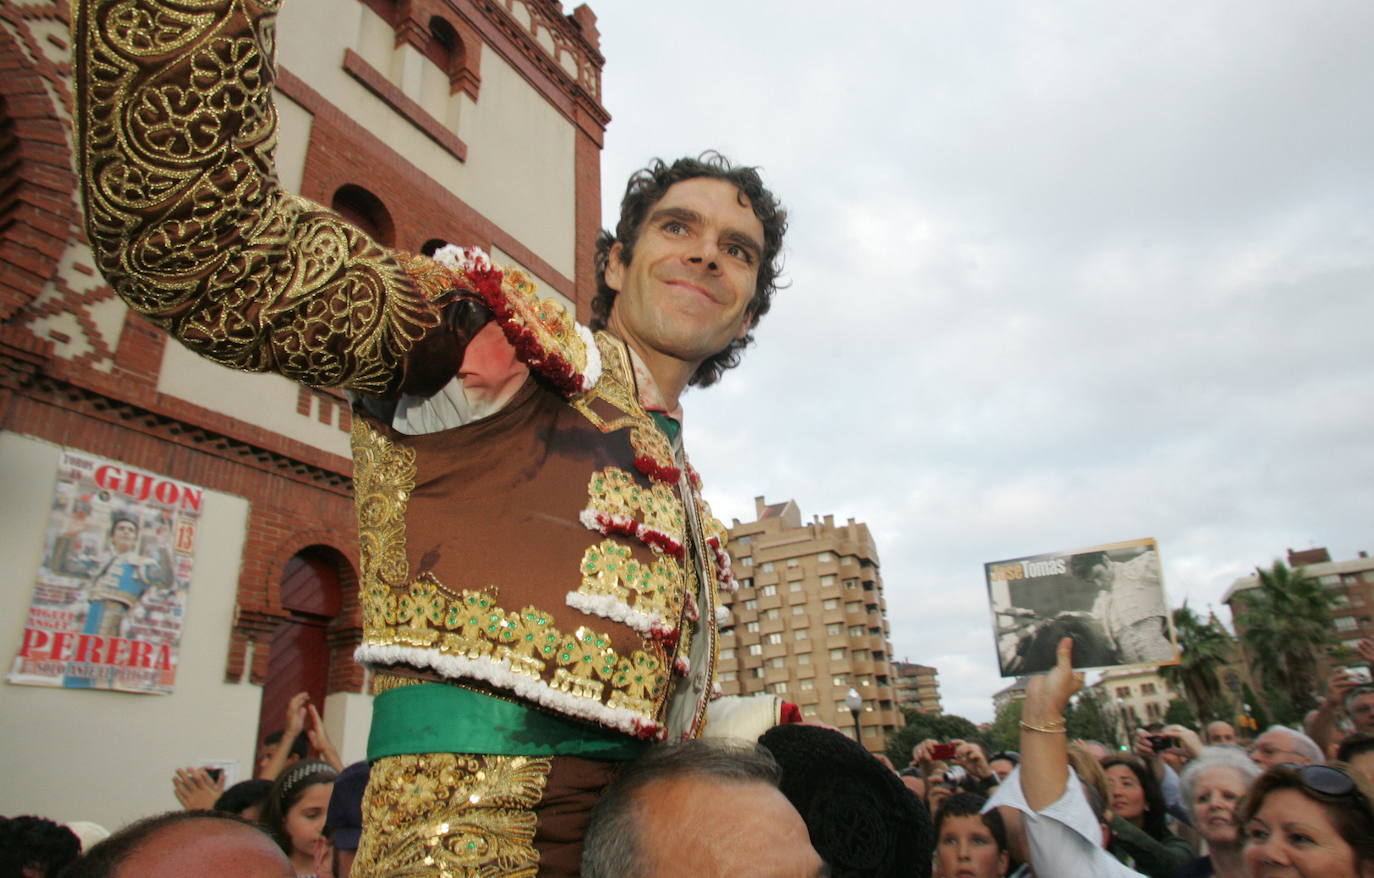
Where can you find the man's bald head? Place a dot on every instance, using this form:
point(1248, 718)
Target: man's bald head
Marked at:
point(206, 844)
point(1220, 733)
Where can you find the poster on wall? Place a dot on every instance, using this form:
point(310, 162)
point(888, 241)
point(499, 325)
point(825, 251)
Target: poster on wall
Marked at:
point(110, 598)
point(1109, 599)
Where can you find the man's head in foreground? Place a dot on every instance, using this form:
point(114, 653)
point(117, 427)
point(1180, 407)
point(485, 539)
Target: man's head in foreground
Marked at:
point(693, 263)
point(203, 844)
point(700, 810)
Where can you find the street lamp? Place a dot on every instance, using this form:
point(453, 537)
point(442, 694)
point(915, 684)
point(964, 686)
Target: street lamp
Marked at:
point(855, 702)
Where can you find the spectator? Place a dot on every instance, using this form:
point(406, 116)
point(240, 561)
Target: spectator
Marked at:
point(969, 844)
point(245, 799)
point(697, 809)
point(1213, 785)
point(1220, 732)
point(197, 789)
point(1312, 820)
point(178, 844)
point(1346, 694)
point(35, 847)
point(1357, 751)
point(343, 822)
point(1140, 831)
point(1164, 764)
point(1002, 763)
point(1280, 745)
point(271, 759)
point(295, 811)
point(1065, 837)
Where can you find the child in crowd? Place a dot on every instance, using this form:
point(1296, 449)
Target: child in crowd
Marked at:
point(295, 811)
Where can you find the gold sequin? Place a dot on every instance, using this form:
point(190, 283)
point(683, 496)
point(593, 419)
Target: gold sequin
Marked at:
point(451, 814)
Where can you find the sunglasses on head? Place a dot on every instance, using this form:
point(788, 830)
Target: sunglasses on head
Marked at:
point(1327, 781)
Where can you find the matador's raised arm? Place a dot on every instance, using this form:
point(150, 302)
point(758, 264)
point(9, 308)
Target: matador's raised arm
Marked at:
point(175, 136)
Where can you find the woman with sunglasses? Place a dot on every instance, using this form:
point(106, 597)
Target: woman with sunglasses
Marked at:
point(1309, 821)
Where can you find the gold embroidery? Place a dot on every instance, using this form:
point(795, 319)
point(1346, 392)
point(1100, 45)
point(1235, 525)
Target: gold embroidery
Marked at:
point(639, 682)
point(383, 479)
point(585, 658)
point(553, 327)
point(615, 387)
point(175, 138)
point(451, 814)
point(650, 444)
point(609, 570)
point(386, 682)
point(617, 502)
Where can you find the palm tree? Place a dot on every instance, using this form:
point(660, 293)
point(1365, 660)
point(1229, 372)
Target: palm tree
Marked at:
point(1285, 623)
point(1204, 647)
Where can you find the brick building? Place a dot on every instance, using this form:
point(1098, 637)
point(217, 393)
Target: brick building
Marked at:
point(423, 121)
point(809, 621)
point(918, 687)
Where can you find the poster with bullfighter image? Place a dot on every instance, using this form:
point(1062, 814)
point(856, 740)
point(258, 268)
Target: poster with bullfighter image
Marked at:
point(1109, 599)
point(110, 596)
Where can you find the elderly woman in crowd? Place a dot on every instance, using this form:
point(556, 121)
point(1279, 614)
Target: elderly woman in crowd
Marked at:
point(1309, 821)
point(1213, 786)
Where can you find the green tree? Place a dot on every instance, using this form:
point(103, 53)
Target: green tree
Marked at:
point(1204, 647)
point(1286, 625)
point(1180, 713)
point(1005, 731)
point(919, 726)
point(1088, 717)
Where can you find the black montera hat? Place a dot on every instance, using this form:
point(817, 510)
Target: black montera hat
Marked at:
point(863, 820)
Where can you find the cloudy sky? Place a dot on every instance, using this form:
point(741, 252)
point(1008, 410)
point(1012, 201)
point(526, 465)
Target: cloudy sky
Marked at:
point(1061, 274)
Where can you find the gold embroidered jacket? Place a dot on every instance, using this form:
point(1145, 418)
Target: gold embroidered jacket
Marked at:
point(558, 551)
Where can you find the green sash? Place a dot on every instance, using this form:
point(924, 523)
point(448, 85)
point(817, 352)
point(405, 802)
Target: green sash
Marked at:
point(436, 718)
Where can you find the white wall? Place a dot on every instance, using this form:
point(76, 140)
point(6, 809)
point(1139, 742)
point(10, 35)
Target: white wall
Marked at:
point(109, 756)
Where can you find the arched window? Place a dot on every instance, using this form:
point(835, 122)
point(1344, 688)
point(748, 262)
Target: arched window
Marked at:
point(447, 46)
point(366, 211)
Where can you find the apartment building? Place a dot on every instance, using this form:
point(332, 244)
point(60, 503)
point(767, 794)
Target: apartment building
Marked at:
point(809, 620)
point(918, 687)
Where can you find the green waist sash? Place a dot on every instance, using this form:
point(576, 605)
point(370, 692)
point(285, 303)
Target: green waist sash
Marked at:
point(436, 718)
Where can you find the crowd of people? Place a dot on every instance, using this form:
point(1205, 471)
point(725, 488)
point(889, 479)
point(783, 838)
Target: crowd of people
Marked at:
point(806, 800)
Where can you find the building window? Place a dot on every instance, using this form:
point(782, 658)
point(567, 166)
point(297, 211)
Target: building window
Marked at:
point(756, 649)
point(1329, 579)
point(778, 688)
point(1147, 688)
point(751, 627)
point(806, 685)
point(767, 566)
point(801, 633)
point(809, 710)
point(1345, 623)
point(860, 655)
point(831, 603)
point(1152, 710)
point(775, 637)
point(825, 557)
point(727, 676)
point(756, 673)
point(1123, 691)
point(743, 541)
point(827, 580)
point(803, 658)
point(837, 654)
point(768, 590)
point(746, 583)
point(857, 631)
point(727, 652)
point(799, 609)
point(751, 604)
point(839, 680)
point(834, 628)
point(777, 662)
point(793, 562)
point(746, 561)
point(770, 615)
point(851, 584)
point(853, 607)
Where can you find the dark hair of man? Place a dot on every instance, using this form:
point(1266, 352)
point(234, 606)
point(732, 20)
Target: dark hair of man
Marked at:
point(1355, 745)
point(114, 522)
point(611, 846)
point(971, 805)
point(1155, 810)
point(35, 846)
point(644, 190)
point(244, 794)
point(287, 790)
point(1354, 823)
point(105, 858)
point(299, 747)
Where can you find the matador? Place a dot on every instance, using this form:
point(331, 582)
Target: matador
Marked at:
point(538, 569)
